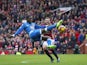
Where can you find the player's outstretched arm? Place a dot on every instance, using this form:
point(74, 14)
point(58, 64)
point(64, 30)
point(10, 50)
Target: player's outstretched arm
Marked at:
point(11, 36)
point(21, 28)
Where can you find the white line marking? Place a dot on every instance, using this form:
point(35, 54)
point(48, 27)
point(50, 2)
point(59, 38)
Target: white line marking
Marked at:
point(26, 61)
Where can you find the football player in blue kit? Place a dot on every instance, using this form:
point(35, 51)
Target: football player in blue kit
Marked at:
point(35, 31)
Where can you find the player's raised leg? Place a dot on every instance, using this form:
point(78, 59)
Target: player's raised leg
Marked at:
point(36, 34)
point(56, 25)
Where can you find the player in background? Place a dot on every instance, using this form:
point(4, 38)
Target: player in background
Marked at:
point(47, 22)
point(35, 31)
point(49, 44)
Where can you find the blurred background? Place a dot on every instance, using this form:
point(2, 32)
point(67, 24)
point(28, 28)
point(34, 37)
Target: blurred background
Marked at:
point(73, 41)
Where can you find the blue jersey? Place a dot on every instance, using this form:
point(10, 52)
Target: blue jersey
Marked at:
point(32, 29)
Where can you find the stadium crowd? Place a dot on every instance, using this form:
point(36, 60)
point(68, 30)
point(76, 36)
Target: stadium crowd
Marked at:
point(13, 11)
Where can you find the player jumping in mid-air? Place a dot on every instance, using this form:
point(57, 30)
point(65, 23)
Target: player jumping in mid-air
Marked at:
point(49, 44)
point(35, 31)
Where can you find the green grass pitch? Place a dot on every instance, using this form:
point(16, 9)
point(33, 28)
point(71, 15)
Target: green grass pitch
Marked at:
point(65, 59)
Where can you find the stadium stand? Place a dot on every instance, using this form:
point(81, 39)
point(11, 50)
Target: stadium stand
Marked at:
point(13, 11)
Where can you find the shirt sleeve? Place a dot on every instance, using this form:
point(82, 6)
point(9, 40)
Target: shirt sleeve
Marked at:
point(20, 29)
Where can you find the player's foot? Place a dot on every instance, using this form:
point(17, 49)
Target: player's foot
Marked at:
point(58, 60)
point(52, 60)
point(59, 23)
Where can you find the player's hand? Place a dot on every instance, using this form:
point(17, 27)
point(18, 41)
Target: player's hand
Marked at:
point(12, 35)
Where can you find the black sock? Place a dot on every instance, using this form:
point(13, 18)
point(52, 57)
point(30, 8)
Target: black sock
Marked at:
point(33, 44)
point(54, 54)
point(48, 54)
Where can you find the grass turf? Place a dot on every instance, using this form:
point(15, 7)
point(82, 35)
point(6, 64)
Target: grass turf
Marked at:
point(65, 59)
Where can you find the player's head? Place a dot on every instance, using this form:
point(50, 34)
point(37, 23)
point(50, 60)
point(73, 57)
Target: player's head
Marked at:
point(47, 21)
point(29, 19)
point(24, 21)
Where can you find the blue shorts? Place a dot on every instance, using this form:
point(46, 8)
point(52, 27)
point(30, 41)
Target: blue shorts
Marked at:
point(35, 35)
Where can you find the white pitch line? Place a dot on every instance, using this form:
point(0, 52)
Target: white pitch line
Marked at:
point(26, 61)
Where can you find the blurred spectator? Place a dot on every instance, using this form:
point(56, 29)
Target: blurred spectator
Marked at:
point(13, 11)
point(76, 49)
